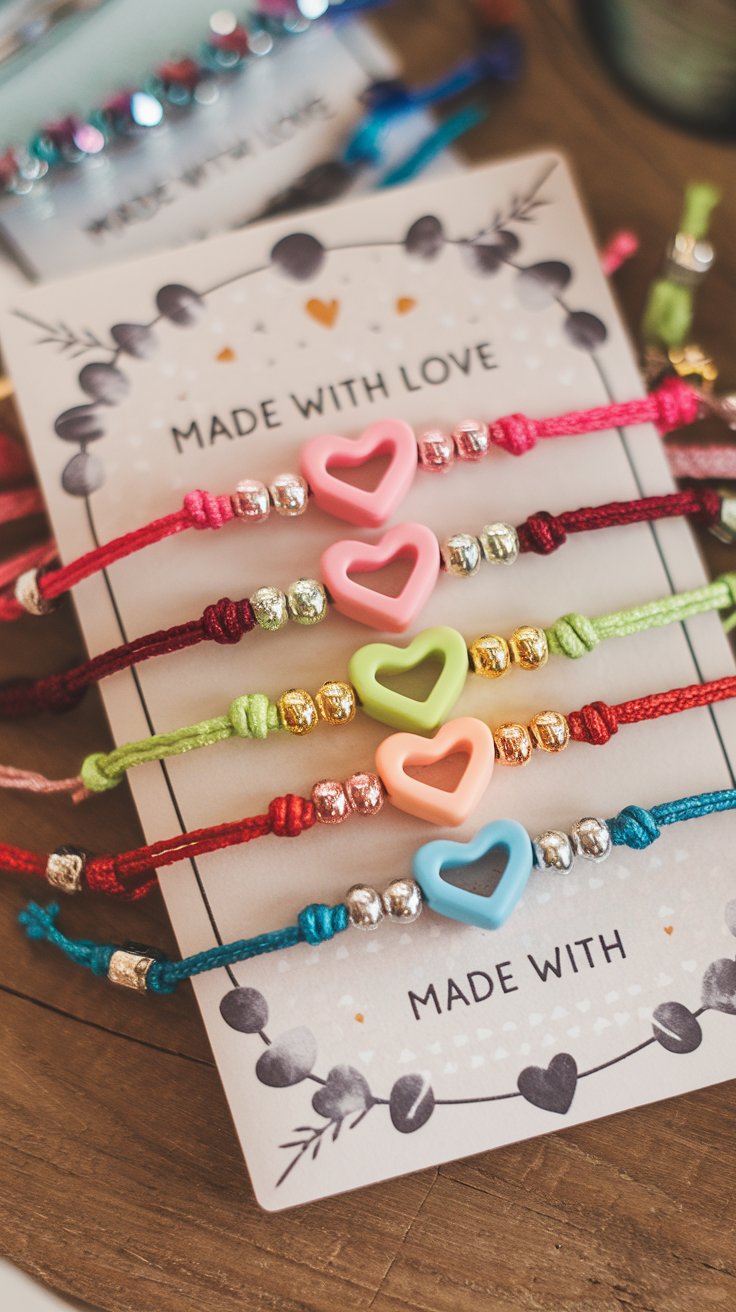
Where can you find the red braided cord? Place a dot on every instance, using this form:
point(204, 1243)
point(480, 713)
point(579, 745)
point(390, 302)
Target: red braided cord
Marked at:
point(598, 722)
point(19, 503)
point(15, 466)
point(130, 876)
point(544, 533)
point(31, 558)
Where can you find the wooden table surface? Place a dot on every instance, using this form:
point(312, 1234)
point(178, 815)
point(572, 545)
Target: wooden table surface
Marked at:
point(121, 1182)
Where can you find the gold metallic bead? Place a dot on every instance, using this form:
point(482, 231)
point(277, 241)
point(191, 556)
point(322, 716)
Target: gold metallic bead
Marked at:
point(550, 731)
point(490, 655)
point(297, 711)
point(528, 646)
point(513, 744)
point(694, 364)
point(336, 702)
point(65, 868)
point(129, 968)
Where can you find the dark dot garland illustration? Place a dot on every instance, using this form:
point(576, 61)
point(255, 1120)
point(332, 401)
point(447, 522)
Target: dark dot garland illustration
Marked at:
point(344, 1097)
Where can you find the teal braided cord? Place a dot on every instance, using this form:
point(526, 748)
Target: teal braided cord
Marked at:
point(316, 924)
point(40, 924)
point(638, 827)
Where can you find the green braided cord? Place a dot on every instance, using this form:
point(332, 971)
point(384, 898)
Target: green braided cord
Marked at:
point(574, 635)
point(250, 716)
point(668, 314)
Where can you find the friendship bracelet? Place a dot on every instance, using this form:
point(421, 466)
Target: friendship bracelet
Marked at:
point(148, 971)
point(673, 404)
point(511, 743)
point(306, 602)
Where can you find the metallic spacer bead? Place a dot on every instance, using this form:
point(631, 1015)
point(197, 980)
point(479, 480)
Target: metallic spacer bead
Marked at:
point(65, 868)
point(270, 608)
point(725, 526)
point(550, 731)
point(336, 702)
point(402, 900)
point(528, 647)
point(513, 744)
point(490, 655)
point(436, 451)
point(307, 601)
point(330, 802)
point(461, 554)
point(471, 439)
point(364, 905)
point(129, 968)
point(553, 851)
point(591, 838)
point(297, 711)
point(688, 259)
point(366, 793)
point(251, 501)
point(500, 543)
point(28, 594)
point(289, 494)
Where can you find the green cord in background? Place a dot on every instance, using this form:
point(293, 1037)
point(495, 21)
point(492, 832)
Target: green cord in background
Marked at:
point(668, 315)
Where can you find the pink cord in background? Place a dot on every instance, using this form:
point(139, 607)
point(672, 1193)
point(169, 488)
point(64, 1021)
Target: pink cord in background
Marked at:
point(620, 248)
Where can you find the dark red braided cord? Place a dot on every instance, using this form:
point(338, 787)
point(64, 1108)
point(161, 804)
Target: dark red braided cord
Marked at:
point(131, 875)
point(544, 533)
point(598, 722)
point(224, 622)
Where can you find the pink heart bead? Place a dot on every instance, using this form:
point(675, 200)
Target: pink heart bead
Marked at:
point(423, 800)
point(363, 604)
point(368, 509)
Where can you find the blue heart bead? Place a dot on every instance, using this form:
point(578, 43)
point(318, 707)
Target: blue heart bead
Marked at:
point(460, 904)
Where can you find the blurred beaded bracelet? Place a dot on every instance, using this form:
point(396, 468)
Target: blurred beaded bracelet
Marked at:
point(147, 971)
point(306, 601)
point(510, 742)
point(672, 405)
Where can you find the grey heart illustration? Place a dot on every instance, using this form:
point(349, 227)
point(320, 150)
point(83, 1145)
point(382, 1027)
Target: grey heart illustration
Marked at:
point(344, 1091)
point(551, 1088)
point(719, 986)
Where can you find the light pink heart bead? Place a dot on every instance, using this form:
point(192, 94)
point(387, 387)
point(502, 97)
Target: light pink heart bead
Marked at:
point(369, 509)
point(395, 614)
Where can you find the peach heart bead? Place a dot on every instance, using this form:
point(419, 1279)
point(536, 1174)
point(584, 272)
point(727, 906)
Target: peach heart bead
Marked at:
point(423, 800)
point(375, 609)
point(371, 508)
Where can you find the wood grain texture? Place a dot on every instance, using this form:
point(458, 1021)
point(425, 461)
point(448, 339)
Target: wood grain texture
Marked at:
point(121, 1182)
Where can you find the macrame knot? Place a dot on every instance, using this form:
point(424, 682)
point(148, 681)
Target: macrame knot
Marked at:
point(730, 582)
point(206, 510)
point(290, 815)
point(634, 827)
point(677, 404)
point(543, 533)
point(24, 697)
point(318, 923)
point(595, 723)
point(514, 433)
point(572, 636)
point(227, 621)
point(101, 876)
point(94, 774)
point(254, 716)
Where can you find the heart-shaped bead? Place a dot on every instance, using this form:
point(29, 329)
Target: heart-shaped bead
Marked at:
point(360, 603)
point(395, 708)
point(459, 903)
point(368, 508)
point(469, 736)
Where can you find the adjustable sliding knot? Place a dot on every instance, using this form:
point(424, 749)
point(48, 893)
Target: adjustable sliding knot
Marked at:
point(40, 926)
point(710, 505)
point(514, 433)
point(226, 621)
point(101, 876)
point(290, 815)
point(318, 922)
point(542, 533)
point(595, 723)
point(94, 775)
point(207, 511)
point(677, 404)
point(254, 716)
point(573, 636)
point(634, 827)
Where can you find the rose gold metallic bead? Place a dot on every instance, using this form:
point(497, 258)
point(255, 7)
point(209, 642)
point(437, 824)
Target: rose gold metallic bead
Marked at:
point(297, 711)
point(550, 731)
point(336, 702)
point(490, 655)
point(513, 744)
point(528, 647)
point(365, 793)
point(471, 440)
point(330, 802)
point(251, 501)
point(436, 451)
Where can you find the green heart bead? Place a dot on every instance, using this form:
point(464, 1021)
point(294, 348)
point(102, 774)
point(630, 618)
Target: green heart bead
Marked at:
point(395, 708)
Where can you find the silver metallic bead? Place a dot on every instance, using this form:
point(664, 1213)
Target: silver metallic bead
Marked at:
point(591, 838)
point(270, 608)
point(461, 554)
point(500, 543)
point(65, 867)
point(471, 440)
point(364, 905)
point(289, 494)
point(402, 900)
point(725, 526)
point(307, 601)
point(436, 450)
point(129, 968)
point(251, 501)
point(688, 259)
point(553, 851)
point(28, 594)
